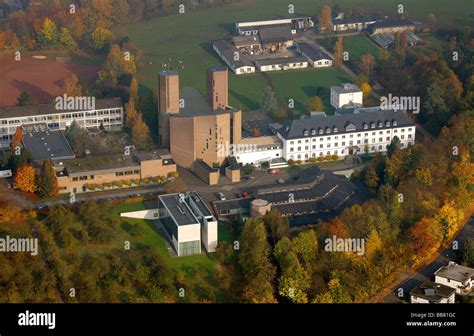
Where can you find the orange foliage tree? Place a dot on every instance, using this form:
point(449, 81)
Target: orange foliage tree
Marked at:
point(24, 178)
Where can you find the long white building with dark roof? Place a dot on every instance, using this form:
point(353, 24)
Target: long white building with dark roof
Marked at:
point(345, 134)
point(107, 113)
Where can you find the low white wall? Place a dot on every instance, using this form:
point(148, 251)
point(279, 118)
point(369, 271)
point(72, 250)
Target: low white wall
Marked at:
point(142, 214)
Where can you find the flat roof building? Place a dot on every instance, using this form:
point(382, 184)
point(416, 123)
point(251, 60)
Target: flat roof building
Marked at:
point(111, 171)
point(188, 222)
point(107, 113)
point(46, 144)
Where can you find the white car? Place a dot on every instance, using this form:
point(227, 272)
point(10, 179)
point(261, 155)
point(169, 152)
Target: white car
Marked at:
point(221, 196)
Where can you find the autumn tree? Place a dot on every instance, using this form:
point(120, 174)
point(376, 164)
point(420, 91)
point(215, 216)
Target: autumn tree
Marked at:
point(134, 91)
point(338, 52)
point(18, 137)
point(324, 16)
point(140, 132)
point(368, 62)
point(449, 216)
point(131, 115)
point(276, 226)
point(315, 104)
point(101, 38)
point(294, 281)
point(366, 89)
point(48, 35)
point(47, 181)
point(254, 259)
point(373, 245)
point(66, 40)
point(119, 62)
point(71, 86)
point(305, 244)
point(120, 11)
point(24, 99)
point(24, 179)
point(426, 236)
point(9, 40)
point(336, 293)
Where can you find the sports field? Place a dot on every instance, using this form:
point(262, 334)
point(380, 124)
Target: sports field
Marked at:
point(41, 78)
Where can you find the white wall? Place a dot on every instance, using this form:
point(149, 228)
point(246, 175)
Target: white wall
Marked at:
point(254, 157)
point(338, 100)
point(143, 214)
point(417, 299)
point(209, 235)
point(452, 283)
point(189, 232)
point(339, 142)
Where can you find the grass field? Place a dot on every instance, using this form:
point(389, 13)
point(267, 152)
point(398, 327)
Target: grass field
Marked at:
point(151, 238)
point(188, 38)
point(301, 85)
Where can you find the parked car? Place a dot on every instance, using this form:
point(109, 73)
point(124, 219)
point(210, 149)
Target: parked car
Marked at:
point(274, 171)
point(246, 194)
point(221, 196)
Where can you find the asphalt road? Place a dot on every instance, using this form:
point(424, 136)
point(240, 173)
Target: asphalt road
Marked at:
point(426, 273)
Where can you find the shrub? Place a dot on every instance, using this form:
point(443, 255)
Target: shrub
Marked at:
point(328, 157)
point(335, 157)
point(136, 181)
point(99, 186)
point(173, 174)
point(109, 184)
point(155, 179)
point(163, 179)
point(312, 159)
point(91, 186)
point(299, 162)
point(118, 183)
point(145, 180)
point(320, 159)
point(127, 182)
point(291, 162)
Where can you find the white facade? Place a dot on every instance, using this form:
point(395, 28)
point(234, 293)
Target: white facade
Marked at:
point(232, 57)
point(282, 66)
point(321, 63)
point(209, 234)
point(345, 143)
point(187, 233)
point(109, 118)
point(257, 150)
point(258, 156)
point(418, 299)
point(347, 95)
point(461, 278)
point(244, 70)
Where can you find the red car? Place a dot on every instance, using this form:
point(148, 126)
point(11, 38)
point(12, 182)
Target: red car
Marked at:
point(275, 171)
point(245, 194)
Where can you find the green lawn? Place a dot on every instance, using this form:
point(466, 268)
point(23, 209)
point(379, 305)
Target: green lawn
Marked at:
point(359, 45)
point(188, 38)
point(151, 238)
point(301, 85)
